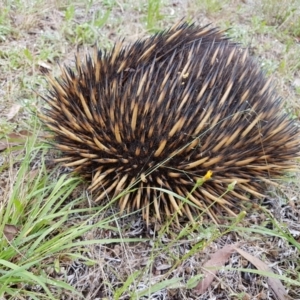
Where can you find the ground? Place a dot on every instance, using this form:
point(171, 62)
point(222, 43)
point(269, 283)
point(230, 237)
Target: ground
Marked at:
point(55, 244)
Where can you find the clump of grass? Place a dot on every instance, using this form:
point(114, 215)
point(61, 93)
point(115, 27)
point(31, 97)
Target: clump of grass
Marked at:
point(39, 228)
point(277, 12)
point(87, 31)
point(5, 28)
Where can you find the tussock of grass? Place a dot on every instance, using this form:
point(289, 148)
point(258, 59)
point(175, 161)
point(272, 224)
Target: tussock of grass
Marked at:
point(49, 226)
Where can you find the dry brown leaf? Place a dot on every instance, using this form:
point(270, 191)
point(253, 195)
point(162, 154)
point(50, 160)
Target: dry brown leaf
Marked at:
point(217, 260)
point(13, 112)
point(163, 267)
point(14, 138)
point(23, 133)
point(274, 283)
point(3, 145)
point(10, 231)
point(33, 174)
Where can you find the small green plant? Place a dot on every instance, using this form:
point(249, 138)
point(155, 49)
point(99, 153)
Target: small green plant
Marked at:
point(14, 59)
point(153, 14)
point(5, 27)
point(85, 32)
point(70, 13)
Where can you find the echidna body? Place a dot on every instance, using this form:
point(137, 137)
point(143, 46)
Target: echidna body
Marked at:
point(160, 113)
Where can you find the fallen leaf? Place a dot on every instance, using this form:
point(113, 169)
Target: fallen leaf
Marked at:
point(3, 145)
point(274, 283)
point(216, 261)
point(14, 139)
point(33, 174)
point(163, 267)
point(10, 231)
point(17, 136)
point(13, 111)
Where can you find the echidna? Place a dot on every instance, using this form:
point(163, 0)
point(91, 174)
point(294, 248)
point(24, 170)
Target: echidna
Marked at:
point(159, 114)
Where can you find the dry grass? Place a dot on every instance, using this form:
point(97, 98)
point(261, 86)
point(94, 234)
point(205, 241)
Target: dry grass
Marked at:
point(161, 261)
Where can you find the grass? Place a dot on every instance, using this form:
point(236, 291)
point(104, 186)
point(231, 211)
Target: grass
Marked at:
point(153, 13)
point(39, 227)
point(33, 208)
point(52, 244)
